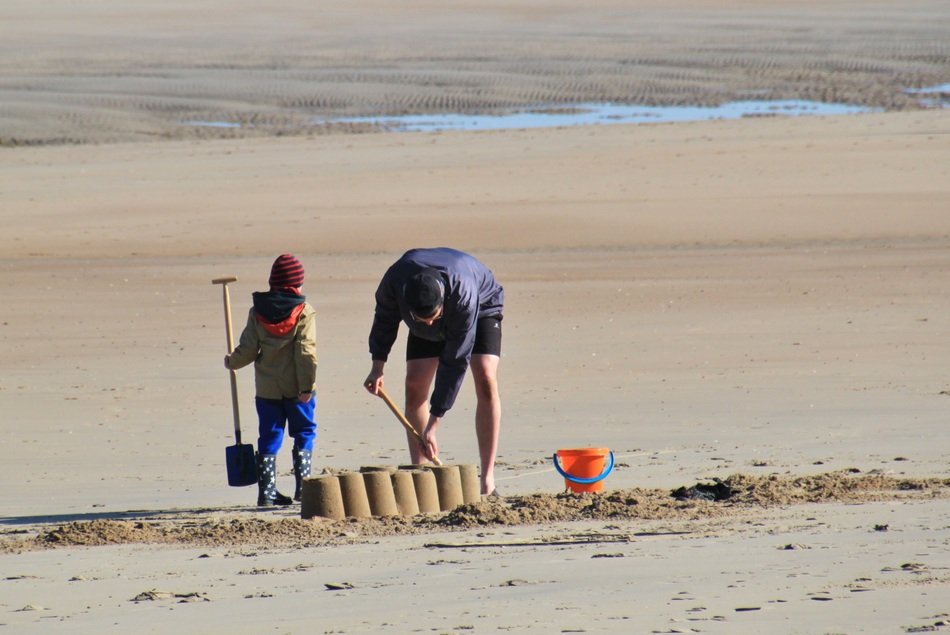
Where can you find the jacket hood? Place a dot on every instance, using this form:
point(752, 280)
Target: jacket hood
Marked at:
point(278, 310)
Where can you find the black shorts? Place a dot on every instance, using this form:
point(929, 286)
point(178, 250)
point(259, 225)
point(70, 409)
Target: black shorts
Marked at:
point(487, 341)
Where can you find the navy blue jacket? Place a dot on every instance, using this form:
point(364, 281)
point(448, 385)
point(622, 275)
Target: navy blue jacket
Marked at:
point(471, 292)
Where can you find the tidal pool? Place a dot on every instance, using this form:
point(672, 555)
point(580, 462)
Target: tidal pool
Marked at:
point(596, 113)
point(933, 96)
point(609, 113)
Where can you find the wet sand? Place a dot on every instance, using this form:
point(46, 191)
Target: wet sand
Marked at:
point(99, 73)
point(761, 299)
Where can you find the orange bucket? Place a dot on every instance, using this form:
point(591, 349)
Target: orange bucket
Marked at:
point(584, 469)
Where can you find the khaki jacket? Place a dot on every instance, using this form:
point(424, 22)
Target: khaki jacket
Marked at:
point(283, 366)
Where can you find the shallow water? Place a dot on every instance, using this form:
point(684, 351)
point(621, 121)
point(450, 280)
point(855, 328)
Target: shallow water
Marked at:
point(610, 113)
point(212, 124)
point(933, 96)
point(594, 113)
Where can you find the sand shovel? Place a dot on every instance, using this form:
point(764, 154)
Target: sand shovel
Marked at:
point(240, 459)
point(405, 422)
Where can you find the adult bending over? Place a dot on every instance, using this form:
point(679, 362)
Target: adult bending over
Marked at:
point(453, 307)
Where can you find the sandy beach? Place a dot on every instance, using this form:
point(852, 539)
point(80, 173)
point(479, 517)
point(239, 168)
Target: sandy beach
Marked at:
point(762, 301)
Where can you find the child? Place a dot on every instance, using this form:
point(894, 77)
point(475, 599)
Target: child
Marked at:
point(280, 338)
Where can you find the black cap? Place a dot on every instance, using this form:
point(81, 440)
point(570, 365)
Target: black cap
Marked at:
point(424, 292)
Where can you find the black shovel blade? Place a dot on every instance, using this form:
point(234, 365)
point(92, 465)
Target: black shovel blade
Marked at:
point(242, 465)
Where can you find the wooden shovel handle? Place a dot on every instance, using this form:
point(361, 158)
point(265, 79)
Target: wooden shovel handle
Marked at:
point(405, 422)
point(230, 335)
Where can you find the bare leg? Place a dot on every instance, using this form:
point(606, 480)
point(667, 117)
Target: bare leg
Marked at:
point(487, 415)
point(419, 376)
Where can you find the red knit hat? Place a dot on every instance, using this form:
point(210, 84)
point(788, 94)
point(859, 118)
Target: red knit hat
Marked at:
point(286, 272)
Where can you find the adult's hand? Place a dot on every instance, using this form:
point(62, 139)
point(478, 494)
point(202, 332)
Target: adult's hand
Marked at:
point(430, 446)
point(374, 381)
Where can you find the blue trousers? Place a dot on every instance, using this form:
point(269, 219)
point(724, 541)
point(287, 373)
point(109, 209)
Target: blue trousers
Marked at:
point(273, 414)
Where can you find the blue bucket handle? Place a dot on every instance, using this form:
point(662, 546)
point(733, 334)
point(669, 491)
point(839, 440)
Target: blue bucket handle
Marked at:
point(585, 481)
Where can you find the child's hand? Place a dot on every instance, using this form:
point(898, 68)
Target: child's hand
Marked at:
point(227, 362)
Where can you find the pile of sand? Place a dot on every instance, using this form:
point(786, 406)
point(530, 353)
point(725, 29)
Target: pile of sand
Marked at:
point(742, 493)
